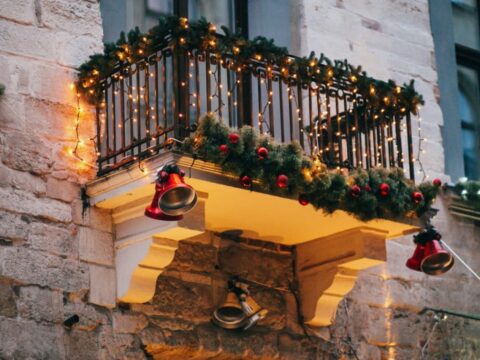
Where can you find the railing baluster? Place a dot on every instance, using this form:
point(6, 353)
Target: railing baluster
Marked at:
point(290, 109)
point(338, 133)
point(398, 139)
point(99, 140)
point(282, 120)
point(260, 108)
point(219, 89)
point(197, 88)
point(348, 132)
point(319, 125)
point(300, 113)
point(331, 150)
point(138, 108)
point(368, 142)
point(146, 98)
point(271, 120)
point(229, 96)
point(157, 101)
point(122, 111)
point(107, 125)
point(411, 159)
point(310, 118)
point(208, 74)
point(391, 156)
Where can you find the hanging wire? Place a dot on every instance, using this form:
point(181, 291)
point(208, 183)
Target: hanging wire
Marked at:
point(461, 260)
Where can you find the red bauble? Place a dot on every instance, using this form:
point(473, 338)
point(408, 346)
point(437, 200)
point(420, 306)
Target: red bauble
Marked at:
point(367, 188)
point(246, 181)
point(384, 189)
point(282, 181)
point(437, 182)
point(417, 196)
point(262, 153)
point(233, 138)
point(302, 199)
point(355, 191)
point(163, 176)
point(223, 149)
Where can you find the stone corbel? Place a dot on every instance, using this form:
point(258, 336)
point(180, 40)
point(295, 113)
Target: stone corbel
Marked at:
point(327, 269)
point(145, 247)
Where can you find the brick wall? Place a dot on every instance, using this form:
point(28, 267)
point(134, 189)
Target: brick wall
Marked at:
point(50, 251)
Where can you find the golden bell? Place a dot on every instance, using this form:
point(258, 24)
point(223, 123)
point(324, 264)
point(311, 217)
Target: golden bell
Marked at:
point(436, 260)
point(176, 198)
point(252, 310)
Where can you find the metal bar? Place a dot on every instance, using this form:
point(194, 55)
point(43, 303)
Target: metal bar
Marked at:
point(290, 110)
point(300, 112)
point(122, 110)
point(146, 99)
point(107, 123)
point(239, 78)
point(381, 128)
point(319, 124)
point(398, 138)
point(197, 88)
point(99, 142)
point(347, 131)
point(139, 125)
point(260, 109)
point(411, 159)
point(282, 120)
point(368, 144)
point(358, 137)
point(208, 74)
point(229, 97)
point(157, 99)
point(391, 156)
point(310, 117)
point(219, 89)
point(338, 133)
point(130, 104)
point(114, 120)
point(331, 150)
point(271, 120)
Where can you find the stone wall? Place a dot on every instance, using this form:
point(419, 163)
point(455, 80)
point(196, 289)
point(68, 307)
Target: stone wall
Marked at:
point(50, 250)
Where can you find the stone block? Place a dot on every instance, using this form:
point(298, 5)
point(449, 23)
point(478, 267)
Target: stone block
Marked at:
point(26, 203)
point(194, 257)
point(118, 346)
point(21, 339)
point(95, 246)
point(93, 217)
point(175, 298)
point(27, 153)
point(13, 227)
point(62, 190)
point(40, 304)
point(56, 239)
point(90, 317)
point(19, 11)
point(8, 306)
point(128, 323)
point(102, 286)
point(11, 105)
point(40, 268)
point(80, 344)
point(22, 180)
point(266, 267)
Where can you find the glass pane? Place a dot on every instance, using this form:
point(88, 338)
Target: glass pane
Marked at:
point(469, 110)
point(219, 12)
point(466, 23)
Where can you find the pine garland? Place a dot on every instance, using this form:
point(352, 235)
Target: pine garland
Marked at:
point(387, 97)
point(469, 192)
point(359, 193)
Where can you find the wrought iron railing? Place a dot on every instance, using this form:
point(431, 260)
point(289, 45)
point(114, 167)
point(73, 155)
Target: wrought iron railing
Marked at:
point(163, 96)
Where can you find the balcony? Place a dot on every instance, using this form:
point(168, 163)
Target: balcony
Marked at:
point(154, 91)
point(165, 94)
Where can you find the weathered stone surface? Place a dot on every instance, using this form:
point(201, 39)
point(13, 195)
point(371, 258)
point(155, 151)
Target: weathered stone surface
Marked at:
point(8, 307)
point(35, 267)
point(21, 339)
point(62, 190)
point(13, 226)
point(194, 257)
point(90, 317)
point(35, 303)
point(102, 286)
point(21, 11)
point(93, 217)
point(80, 344)
point(21, 180)
point(57, 239)
point(26, 203)
point(176, 298)
point(250, 263)
point(119, 346)
point(95, 246)
point(128, 324)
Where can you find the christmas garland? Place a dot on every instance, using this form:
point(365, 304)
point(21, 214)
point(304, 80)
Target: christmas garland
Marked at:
point(201, 35)
point(469, 192)
point(285, 170)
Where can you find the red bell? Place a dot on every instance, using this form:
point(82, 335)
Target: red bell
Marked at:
point(176, 197)
point(436, 260)
point(154, 212)
point(415, 261)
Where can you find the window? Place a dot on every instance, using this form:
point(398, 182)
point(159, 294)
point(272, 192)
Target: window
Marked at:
point(466, 30)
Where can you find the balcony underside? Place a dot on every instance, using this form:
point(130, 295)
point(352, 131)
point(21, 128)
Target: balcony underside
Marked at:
point(331, 248)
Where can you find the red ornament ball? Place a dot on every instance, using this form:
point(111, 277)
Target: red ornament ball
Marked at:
point(367, 188)
point(163, 176)
point(437, 182)
point(246, 181)
point(302, 199)
point(233, 138)
point(384, 189)
point(262, 153)
point(223, 149)
point(282, 181)
point(417, 197)
point(355, 191)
